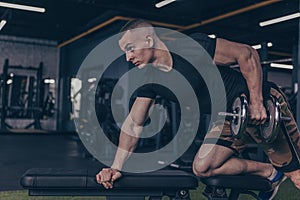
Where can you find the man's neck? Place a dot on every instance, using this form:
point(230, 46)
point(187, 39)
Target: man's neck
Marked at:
point(163, 59)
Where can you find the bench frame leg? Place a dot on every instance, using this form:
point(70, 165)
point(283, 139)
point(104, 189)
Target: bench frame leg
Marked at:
point(215, 193)
point(219, 193)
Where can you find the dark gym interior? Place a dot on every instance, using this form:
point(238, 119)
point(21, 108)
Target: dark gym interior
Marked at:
point(41, 52)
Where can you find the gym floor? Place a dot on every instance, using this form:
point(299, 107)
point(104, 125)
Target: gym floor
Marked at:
point(21, 151)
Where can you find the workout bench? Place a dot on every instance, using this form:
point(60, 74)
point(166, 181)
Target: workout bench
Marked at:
point(238, 184)
point(81, 182)
point(172, 183)
point(216, 186)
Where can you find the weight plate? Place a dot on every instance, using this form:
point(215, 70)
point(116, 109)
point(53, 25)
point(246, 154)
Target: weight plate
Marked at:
point(269, 130)
point(238, 124)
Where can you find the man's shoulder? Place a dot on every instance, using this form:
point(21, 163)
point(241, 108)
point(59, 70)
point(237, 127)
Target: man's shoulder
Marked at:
point(208, 43)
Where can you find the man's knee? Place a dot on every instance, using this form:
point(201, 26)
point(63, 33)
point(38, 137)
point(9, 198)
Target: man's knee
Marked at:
point(203, 168)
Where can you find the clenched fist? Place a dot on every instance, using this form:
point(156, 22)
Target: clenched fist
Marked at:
point(107, 176)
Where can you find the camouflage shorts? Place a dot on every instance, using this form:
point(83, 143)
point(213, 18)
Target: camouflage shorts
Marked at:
point(278, 151)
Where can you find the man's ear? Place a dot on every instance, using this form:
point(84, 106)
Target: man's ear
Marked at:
point(150, 41)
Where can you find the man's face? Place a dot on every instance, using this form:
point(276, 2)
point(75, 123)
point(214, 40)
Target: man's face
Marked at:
point(138, 47)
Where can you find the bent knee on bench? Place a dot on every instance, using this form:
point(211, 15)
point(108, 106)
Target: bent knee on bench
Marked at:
point(204, 168)
point(210, 158)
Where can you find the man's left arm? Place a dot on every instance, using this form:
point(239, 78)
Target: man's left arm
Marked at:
point(248, 59)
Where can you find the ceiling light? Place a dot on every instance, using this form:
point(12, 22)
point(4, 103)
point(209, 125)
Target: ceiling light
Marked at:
point(91, 80)
point(49, 81)
point(212, 36)
point(258, 46)
point(269, 44)
point(281, 66)
point(2, 24)
point(22, 7)
point(279, 19)
point(163, 3)
point(9, 81)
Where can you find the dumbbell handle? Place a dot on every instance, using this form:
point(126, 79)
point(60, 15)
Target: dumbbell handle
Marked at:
point(237, 115)
point(285, 118)
point(228, 114)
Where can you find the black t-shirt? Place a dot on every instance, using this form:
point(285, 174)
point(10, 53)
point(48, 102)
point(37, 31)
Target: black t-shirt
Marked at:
point(234, 82)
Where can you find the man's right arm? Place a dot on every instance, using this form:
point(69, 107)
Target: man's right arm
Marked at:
point(131, 130)
point(129, 136)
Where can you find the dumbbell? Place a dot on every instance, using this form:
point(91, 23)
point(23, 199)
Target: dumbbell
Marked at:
point(269, 130)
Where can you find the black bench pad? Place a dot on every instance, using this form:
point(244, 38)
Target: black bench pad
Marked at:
point(83, 178)
point(82, 182)
point(249, 182)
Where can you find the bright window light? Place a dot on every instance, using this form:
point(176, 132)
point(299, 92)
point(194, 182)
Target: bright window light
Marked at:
point(163, 3)
point(281, 66)
point(279, 19)
point(212, 36)
point(2, 24)
point(22, 7)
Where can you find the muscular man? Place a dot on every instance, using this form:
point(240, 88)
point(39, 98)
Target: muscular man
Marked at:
point(145, 47)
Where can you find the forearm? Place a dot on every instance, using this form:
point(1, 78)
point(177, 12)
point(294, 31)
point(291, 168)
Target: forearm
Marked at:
point(128, 140)
point(127, 144)
point(131, 130)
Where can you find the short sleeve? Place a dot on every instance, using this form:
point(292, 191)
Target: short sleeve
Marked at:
point(209, 44)
point(146, 91)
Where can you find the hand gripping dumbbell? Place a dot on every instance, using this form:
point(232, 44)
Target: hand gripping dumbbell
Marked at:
point(269, 130)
